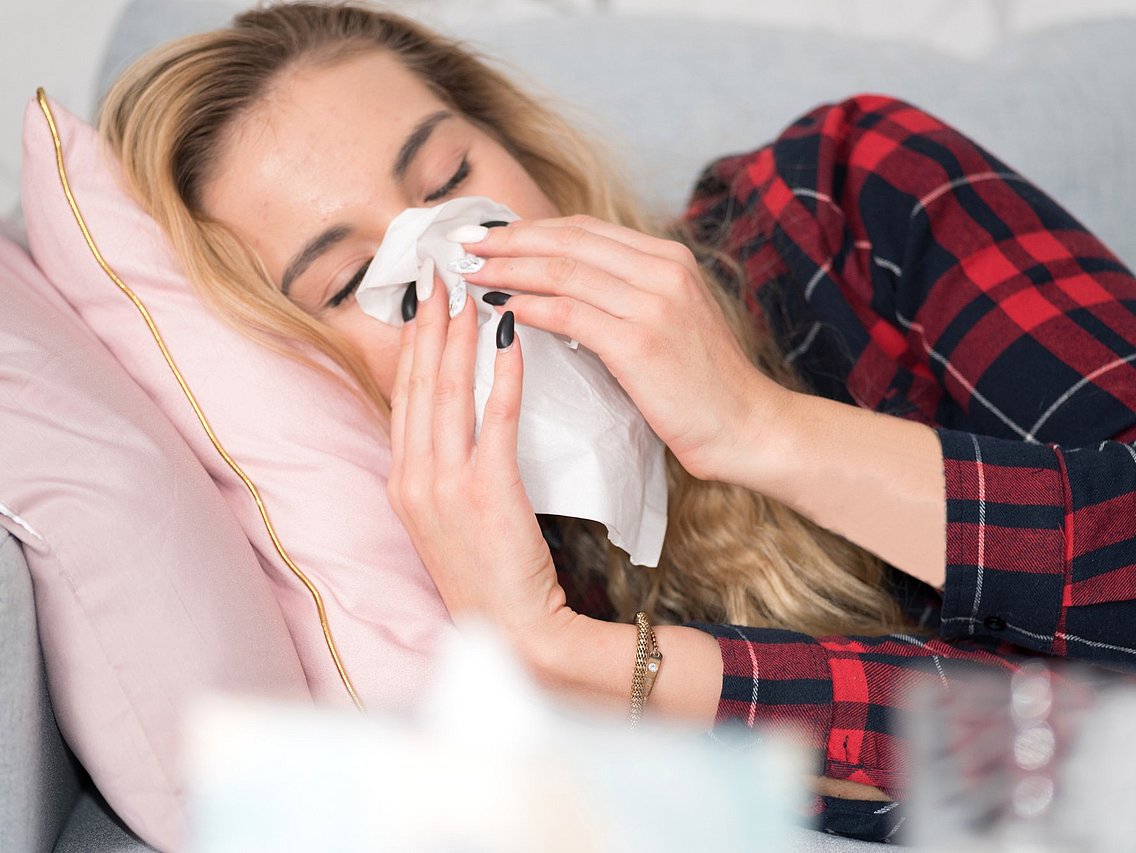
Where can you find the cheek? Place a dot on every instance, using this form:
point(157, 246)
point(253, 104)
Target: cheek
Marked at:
point(542, 206)
point(375, 341)
point(507, 181)
point(536, 204)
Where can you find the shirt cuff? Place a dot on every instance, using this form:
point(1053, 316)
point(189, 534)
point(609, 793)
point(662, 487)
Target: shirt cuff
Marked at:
point(1007, 505)
point(778, 682)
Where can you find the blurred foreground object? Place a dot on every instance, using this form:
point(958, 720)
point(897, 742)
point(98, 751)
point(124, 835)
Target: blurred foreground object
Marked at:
point(490, 766)
point(1038, 761)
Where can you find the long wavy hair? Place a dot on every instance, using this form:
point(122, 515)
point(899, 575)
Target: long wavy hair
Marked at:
point(730, 555)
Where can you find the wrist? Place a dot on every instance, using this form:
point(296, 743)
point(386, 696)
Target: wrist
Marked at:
point(768, 444)
point(593, 661)
point(585, 659)
point(794, 446)
point(873, 478)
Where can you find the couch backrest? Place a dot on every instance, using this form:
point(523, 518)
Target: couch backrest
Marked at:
point(38, 780)
point(674, 93)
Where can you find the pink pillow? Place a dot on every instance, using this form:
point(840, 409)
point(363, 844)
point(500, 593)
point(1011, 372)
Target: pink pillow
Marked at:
point(317, 457)
point(147, 592)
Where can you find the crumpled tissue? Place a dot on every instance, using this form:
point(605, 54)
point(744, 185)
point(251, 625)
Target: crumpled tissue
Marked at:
point(583, 448)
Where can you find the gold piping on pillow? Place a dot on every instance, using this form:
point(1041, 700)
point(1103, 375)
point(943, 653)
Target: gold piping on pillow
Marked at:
point(41, 98)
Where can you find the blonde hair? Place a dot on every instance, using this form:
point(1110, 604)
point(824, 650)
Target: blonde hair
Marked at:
point(730, 555)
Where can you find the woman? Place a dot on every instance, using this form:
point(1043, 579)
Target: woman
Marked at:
point(886, 263)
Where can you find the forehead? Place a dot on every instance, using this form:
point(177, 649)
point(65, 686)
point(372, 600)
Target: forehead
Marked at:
point(374, 77)
point(323, 136)
point(365, 95)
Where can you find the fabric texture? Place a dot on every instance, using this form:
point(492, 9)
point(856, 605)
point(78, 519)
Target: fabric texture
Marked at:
point(315, 453)
point(36, 790)
point(904, 269)
point(91, 829)
point(147, 593)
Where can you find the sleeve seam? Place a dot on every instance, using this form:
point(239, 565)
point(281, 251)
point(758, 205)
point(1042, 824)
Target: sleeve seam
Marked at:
point(1067, 542)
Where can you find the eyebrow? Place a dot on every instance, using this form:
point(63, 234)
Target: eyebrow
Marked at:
point(310, 252)
point(415, 141)
point(320, 244)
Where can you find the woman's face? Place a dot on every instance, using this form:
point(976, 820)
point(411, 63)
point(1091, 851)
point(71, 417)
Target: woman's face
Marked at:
point(312, 176)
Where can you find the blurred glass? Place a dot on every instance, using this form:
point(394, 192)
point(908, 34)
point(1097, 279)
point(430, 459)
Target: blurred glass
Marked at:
point(1036, 761)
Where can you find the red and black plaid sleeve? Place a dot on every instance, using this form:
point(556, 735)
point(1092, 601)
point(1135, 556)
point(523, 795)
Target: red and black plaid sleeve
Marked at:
point(904, 269)
point(1041, 546)
point(834, 696)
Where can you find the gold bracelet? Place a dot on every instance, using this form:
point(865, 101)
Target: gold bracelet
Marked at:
point(648, 660)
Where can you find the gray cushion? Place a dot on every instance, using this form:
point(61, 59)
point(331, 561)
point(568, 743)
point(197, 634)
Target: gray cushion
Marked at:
point(1051, 105)
point(93, 829)
point(38, 782)
point(807, 841)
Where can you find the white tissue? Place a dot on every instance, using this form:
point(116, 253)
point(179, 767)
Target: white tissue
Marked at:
point(583, 448)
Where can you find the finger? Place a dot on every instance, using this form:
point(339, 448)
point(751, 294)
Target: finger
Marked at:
point(497, 444)
point(429, 343)
point(597, 330)
point(562, 276)
point(453, 395)
point(646, 243)
point(617, 259)
point(398, 392)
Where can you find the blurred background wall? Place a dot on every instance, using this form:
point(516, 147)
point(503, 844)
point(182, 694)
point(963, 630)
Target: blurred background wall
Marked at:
point(58, 44)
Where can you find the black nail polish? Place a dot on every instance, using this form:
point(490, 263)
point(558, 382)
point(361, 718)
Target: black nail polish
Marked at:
point(505, 331)
point(494, 223)
point(495, 297)
point(409, 303)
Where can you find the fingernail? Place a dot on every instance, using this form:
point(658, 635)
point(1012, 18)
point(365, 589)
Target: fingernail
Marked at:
point(457, 299)
point(506, 331)
point(466, 264)
point(409, 303)
point(495, 297)
point(494, 223)
point(424, 287)
point(467, 234)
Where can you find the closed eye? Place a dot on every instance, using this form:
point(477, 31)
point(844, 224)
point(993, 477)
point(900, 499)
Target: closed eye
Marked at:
point(455, 181)
point(452, 184)
point(348, 288)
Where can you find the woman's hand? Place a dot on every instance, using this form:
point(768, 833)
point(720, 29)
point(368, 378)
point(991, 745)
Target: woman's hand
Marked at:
point(462, 502)
point(641, 305)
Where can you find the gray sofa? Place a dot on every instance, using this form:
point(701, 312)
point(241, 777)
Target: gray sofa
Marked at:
point(45, 802)
point(1052, 105)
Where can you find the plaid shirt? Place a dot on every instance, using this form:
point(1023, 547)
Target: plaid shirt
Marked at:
point(904, 269)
